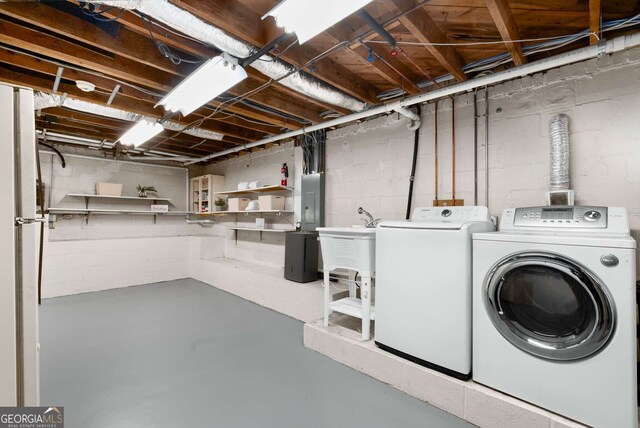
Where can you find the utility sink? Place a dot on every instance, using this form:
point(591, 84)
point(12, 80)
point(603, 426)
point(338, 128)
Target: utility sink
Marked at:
point(348, 248)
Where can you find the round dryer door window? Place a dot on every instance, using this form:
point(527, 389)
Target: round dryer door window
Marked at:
point(549, 306)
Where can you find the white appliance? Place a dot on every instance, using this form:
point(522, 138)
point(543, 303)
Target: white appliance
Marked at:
point(554, 318)
point(423, 286)
point(19, 375)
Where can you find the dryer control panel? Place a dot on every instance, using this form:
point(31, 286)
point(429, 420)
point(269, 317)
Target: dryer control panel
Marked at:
point(561, 217)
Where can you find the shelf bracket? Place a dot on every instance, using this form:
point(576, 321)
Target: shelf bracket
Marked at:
point(86, 202)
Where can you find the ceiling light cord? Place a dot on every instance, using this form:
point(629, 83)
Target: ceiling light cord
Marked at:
point(164, 49)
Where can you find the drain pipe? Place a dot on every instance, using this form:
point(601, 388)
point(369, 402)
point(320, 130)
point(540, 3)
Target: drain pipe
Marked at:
point(453, 150)
point(416, 140)
point(475, 148)
point(486, 147)
point(435, 153)
point(414, 119)
point(614, 45)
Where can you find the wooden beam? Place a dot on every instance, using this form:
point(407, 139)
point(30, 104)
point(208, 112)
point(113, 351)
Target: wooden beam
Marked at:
point(135, 24)
point(123, 69)
point(420, 24)
point(138, 107)
point(506, 23)
point(594, 21)
point(252, 30)
point(104, 84)
point(388, 68)
point(128, 44)
point(120, 68)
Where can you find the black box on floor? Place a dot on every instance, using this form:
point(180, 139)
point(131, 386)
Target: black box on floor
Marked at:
point(301, 256)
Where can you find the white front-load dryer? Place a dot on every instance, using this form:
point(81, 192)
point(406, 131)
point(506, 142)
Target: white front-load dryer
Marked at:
point(554, 319)
point(423, 286)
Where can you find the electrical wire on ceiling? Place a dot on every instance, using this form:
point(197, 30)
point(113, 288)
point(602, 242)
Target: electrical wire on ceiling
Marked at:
point(165, 50)
point(239, 98)
point(91, 10)
point(552, 43)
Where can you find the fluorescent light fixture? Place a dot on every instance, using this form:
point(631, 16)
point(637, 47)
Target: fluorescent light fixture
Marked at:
point(308, 18)
point(210, 80)
point(141, 132)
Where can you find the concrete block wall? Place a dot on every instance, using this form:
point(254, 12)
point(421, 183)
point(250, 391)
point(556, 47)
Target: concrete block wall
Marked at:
point(263, 165)
point(81, 266)
point(368, 164)
point(80, 176)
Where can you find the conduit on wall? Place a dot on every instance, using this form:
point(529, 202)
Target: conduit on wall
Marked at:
point(189, 24)
point(608, 47)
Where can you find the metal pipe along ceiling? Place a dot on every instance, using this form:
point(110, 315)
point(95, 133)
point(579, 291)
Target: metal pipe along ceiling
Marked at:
point(43, 100)
point(614, 45)
point(189, 24)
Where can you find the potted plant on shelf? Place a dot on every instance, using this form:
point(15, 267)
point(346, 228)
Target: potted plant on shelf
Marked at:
point(220, 204)
point(143, 190)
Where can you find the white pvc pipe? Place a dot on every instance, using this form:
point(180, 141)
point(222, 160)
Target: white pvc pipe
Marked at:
point(583, 54)
point(416, 121)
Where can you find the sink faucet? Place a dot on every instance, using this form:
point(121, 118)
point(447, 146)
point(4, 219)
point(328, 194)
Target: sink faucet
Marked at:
point(369, 221)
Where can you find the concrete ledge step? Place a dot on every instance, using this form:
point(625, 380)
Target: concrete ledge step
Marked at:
point(470, 401)
point(264, 285)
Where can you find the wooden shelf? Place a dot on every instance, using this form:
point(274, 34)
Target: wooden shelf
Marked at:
point(249, 212)
point(80, 195)
point(108, 211)
point(264, 189)
point(254, 229)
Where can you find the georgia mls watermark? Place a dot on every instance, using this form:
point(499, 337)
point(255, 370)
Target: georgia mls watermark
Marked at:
point(31, 417)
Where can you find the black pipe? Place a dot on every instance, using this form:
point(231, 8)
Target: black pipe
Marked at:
point(272, 44)
point(377, 27)
point(40, 190)
point(475, 147)
point(62, 161)
point(416, 140)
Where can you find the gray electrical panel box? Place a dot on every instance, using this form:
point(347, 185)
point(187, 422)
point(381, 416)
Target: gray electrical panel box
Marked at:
point(312, 195)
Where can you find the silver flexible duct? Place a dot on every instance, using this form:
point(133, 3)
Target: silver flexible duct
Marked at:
point(187, 23)
point(43, 100)
point(559, 139)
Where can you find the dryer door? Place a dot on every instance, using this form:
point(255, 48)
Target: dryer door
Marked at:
point(549, 305)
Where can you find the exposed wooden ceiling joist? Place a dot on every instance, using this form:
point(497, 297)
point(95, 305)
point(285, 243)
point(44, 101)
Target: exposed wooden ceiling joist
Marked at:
point(160, 79)
point(594, 21)
point(420, 24)
point(252, 30)
point(506, 23)
point(126, 52)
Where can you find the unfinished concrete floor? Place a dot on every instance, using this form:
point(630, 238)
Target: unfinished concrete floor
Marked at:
point(184, 354)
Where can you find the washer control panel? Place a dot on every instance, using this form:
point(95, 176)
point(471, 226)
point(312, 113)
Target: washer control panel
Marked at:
point(561, 217)
point(453, 213)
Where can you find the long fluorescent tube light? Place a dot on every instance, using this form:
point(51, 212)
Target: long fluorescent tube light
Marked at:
point(141, 132)
point(210, 80)
point(308, 18)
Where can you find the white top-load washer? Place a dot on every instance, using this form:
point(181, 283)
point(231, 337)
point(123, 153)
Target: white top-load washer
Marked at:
point(423, 286)
point(554, 318)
